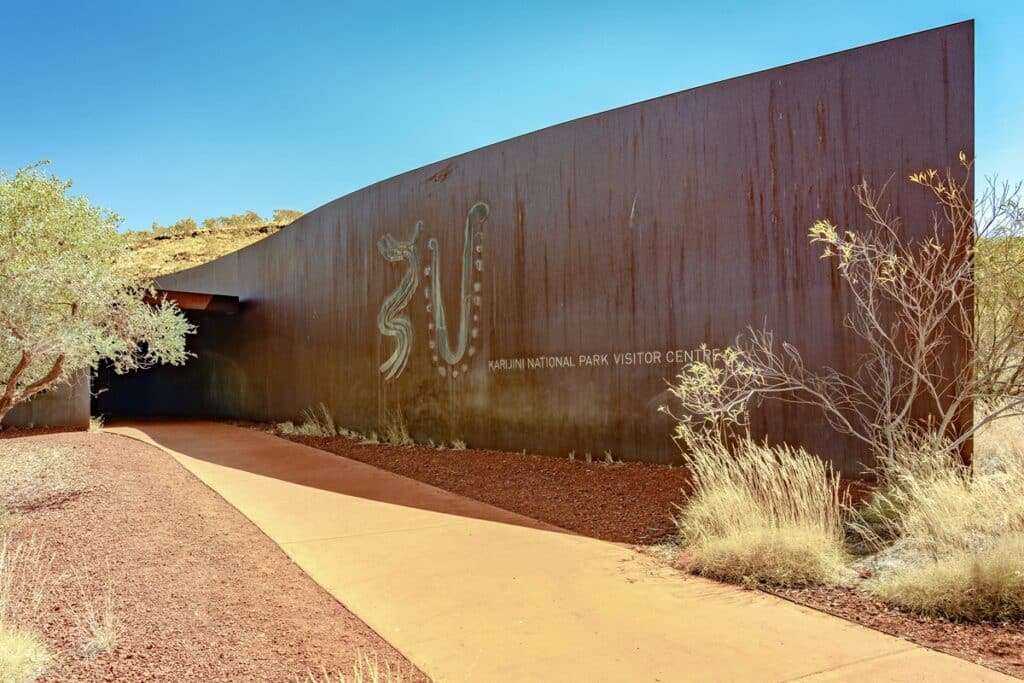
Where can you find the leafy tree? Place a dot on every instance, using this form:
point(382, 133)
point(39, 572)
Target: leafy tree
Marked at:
point(63, 306)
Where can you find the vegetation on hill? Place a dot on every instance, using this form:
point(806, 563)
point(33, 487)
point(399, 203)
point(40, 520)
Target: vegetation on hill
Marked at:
point(185, 244)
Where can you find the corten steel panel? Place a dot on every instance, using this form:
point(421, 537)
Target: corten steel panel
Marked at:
point(65, 406)
point(656, 227)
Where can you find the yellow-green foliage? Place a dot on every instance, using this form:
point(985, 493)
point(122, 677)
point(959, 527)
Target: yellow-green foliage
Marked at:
point(761, 514)
point(64, 306)
point(23, 655)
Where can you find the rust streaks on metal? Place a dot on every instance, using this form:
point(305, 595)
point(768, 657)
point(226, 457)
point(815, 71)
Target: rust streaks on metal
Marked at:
point(656, 227)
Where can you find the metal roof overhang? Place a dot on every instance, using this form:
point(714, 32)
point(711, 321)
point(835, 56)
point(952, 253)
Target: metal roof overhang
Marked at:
point(221, 304)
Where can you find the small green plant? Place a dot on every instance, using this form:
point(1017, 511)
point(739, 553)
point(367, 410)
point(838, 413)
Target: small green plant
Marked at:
point(458, 445)
point(96, 423)
point(588, 457)
point(572, 456)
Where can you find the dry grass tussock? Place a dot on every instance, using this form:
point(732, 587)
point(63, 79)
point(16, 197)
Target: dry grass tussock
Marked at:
point(366, 669)
point(98, 621)
point(26, 575)
point(315, 421)
point(318, 421)
point(23, 655)
point(982, 585)
point(960, 547)
point(761, 514)
point(395, 430)
point(39, 476)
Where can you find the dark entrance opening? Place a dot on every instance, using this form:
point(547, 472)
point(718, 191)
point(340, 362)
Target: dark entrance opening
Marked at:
point(164, 391)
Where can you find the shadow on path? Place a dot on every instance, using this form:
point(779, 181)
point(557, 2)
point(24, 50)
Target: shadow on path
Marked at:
point(270, 456)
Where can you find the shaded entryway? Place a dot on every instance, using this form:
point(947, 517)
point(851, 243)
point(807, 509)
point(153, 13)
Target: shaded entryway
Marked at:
point(168, 391)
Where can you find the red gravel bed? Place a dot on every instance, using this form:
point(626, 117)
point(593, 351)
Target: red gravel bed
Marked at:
point(624, 502)
point(201, 593)
point(19, 432)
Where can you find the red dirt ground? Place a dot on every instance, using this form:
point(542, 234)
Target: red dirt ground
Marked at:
point(202, 594)
point(625, 502)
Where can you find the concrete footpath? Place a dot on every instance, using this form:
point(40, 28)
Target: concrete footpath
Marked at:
point(469, 592)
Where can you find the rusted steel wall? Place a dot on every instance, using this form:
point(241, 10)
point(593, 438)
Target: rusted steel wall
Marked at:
point(65, 406)
point(589, 255)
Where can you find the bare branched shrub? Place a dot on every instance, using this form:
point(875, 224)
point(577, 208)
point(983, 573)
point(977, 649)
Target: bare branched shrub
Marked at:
point(928, 363)
point(941, 323)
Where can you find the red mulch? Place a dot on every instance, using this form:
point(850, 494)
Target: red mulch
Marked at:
point(201, 593)
point(19, 432)
point(634, 503)
point(625, 502)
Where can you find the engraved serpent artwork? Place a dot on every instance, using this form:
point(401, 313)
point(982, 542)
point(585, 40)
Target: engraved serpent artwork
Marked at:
point(390, 320)
point(449, 357)
point(469, 296)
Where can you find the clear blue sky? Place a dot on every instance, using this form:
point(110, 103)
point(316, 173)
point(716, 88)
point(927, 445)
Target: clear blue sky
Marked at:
point(166, 110)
